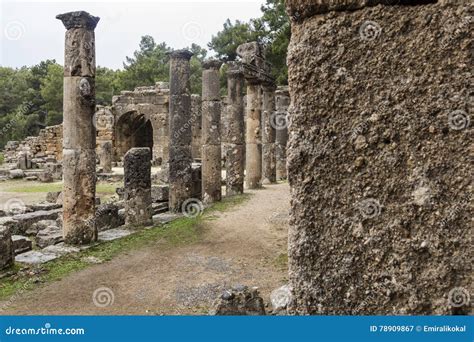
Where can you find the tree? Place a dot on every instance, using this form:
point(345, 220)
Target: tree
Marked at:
point(272, 30)
point(225, 43)
point(52, 93)
point(148, 65)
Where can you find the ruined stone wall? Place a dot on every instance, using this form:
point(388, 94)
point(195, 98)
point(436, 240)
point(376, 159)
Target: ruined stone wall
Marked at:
point(380, 138)
point(47, 145)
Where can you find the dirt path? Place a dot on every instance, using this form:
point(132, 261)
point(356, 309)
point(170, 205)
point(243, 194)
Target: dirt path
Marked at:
point(245, 245)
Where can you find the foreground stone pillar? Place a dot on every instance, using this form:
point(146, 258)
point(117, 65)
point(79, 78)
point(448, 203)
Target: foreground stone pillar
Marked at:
point(235, 154)
point(137, 187)
point(282, 99)
point(79, 142)
point(268, 136)
point(211, 132)
point(253, 137)
point(106, 156)
point(380, 170)
point(180, 160)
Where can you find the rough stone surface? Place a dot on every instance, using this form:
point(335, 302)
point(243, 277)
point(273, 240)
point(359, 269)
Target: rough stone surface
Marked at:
point(211, 132)
point(160, 193)
point(107, 217)
point(79, 142)
point(384, 226)
point(6, 248)
point(113, 234)
point(268, 136)
point(36, 257)
point(52, 197)
point(234, 137)
point(106, 156)
point(282, 100)
point(180, 153)
point(240, 301)
point(137, 188)
point(21, 244)
point(22, 222)
point(253, 137)
point(49, 236)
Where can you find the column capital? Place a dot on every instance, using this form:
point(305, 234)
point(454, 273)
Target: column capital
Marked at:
point(235, 69)
point(78, 19)
point(181, 54)
point(214, 64)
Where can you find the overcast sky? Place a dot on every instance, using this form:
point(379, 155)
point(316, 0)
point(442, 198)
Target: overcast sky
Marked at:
point(30, 33)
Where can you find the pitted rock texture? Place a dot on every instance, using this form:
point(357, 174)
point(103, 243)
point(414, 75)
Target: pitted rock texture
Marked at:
point(379, 166)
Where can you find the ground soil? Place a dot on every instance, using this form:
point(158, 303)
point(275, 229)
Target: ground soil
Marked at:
point(245, 245)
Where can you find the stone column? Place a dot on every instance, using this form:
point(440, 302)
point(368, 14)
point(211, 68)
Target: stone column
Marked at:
point(180, 155)
point(211, 132)
point(268, 136)
point(137, 187)
point(253, 137)
point(235, 155)
point(106, 156)
point(196, 126)
point(79, 142)
point(282, 99)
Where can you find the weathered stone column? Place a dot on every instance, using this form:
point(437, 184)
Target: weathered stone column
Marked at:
point(137, 187)
point(180, 160)
point(196, 126)
point(211, 132)
point(106, 156)
point(235, 154)
point(79, 133)
point(282, 99)
point(268, 136)
point(253, 137)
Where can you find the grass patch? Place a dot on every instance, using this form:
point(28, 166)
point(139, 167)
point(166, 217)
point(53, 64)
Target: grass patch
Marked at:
point(281, 261)
point(182, 231)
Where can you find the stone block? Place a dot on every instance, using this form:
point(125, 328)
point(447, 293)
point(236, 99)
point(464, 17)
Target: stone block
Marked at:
point(6, 248)
point(21, 244)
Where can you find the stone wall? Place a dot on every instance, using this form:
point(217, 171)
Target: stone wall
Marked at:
point(379, 157)
point(48, 144)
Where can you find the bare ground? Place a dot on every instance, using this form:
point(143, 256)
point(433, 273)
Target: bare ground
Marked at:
point(245, 245)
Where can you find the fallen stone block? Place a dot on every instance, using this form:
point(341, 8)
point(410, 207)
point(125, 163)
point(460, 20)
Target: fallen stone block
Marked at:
point(49, 236)
point(21, 244)
point(17, 174)
point(39, 226)
point(160, 193)
point(165, 217)
point(6, 248)
point(61, 249)
point(107, 217)
point(159, 208)
point(113, 234)
point(31, 178)
point(45, 177)
point(22, 222)
point(52, 197)
point(43, 206)
point(35, 257)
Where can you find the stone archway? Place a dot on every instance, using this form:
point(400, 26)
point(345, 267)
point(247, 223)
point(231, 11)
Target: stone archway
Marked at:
point(132, 129)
